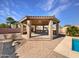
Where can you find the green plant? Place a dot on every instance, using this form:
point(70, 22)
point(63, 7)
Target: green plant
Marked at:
point(10, 21)
point(4, 25)
point(72, 31)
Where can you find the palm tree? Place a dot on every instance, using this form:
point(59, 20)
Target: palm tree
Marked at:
point(10, 21)
point(68, 32)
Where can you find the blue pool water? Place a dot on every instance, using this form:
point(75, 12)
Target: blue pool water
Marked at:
point(75, 44)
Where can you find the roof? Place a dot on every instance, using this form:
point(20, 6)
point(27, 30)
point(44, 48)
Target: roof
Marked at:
point(42, 18)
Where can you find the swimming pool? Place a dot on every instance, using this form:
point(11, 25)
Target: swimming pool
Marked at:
point(75, 44)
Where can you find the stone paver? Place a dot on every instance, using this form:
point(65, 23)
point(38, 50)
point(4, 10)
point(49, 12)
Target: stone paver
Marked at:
point(40, 48)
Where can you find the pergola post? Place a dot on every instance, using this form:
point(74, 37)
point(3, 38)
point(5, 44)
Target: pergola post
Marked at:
point(50, 29)
point(28, 29)
point(57, 29)
point(21, 28)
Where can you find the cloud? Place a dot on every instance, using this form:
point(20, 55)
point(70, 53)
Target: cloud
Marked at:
point(64, 1)
point(77, 4)
point(15, 13)
point(2, 5)
point(47, 5)
point(58, 10)
point(5, 8)
point(12, 3)
point(7, 11)
point(6, 2)
point(19, 4)
point(2, 13)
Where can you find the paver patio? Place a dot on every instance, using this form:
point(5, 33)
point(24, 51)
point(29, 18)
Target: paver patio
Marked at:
point(40, 48)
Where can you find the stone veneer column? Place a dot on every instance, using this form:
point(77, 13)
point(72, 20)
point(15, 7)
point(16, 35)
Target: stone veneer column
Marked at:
point(50, 29)
point(57, 29)
point(21, 28)
point(28, 29)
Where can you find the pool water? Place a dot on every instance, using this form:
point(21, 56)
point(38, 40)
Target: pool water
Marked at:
point(75, 44)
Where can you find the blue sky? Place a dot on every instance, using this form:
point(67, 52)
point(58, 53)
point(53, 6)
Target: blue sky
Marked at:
point(67, 11)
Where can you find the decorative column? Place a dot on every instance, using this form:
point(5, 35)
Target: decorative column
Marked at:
point(50, 29)
point(57, 29)
point(25, 27)
point(21, 28)
point(28, 29)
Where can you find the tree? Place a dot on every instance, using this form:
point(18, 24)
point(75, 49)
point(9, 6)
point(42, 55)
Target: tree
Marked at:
point(4, 25)
point(10, 21)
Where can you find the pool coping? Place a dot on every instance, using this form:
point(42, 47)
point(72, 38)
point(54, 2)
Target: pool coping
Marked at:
point(65, 48)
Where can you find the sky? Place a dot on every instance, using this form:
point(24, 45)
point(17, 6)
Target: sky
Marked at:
point(67, 11)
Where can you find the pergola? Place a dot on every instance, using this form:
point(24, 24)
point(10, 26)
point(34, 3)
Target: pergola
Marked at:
point(28, 21)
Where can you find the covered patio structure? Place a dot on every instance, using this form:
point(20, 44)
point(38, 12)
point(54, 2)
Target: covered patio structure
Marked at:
point(29, 24)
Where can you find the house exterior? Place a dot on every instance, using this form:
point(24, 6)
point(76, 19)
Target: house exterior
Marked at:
point(63, 30)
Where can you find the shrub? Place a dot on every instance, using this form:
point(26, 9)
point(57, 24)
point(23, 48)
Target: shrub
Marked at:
point(4, 25)
point(72, 31)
